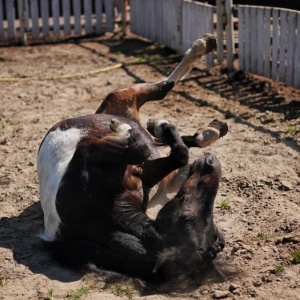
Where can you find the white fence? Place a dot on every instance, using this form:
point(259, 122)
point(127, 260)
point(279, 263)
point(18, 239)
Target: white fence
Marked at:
point(268, 38)
point(174, 23)
point(269, 43)
point(44, 19)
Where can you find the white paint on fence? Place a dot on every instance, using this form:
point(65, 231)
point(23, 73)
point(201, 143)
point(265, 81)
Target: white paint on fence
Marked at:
point(269, 43)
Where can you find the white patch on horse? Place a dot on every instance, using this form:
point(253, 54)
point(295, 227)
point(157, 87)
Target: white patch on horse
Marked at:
point(53, 159)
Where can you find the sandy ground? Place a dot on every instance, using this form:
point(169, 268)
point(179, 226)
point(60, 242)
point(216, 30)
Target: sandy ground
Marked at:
point(258, 204)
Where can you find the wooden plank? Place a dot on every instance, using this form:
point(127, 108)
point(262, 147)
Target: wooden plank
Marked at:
point(1, 20)
point(220, 29)
point(87, 4)
point(178, 8)
point(150, 19)
point(99, 21)
point(259, 42)
point(133, 16)
point(229, 34)
point(241, 14)
point(77, 16)
point(253, 40)
point(135, 8)
point(55, 13)
point(34, 10)
point(159, 32)
point(247, 52)
point(10, 14)
point(23, 36)
point(109, 10)
point(172, 34)
point(291, 38)
point(209, 29)
point(67, 17)
point(267, 42)
point(45, 18)
point(282, 45)
point(188, 34)
point(275, 43)
point(296, 82)
point(134, 20)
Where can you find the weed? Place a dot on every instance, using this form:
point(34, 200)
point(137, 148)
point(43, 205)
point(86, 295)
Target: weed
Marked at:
point(154, 57)
point(78, 294)
point(125, 289)
point(292, 130)
point(50, 295)
point(263, 236)
point(3, 280)
point(13, 122)
point(296, 257)
point(223, 204)
point(278, 270)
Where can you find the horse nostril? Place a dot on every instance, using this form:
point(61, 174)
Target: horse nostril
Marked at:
point(209, 160)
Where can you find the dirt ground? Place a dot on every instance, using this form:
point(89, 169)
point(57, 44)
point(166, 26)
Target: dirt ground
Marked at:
point(258, 204)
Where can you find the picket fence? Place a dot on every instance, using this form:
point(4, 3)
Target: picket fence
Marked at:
point(174, 23)
point(34, 19)
point(268, 38)
point(269, 43)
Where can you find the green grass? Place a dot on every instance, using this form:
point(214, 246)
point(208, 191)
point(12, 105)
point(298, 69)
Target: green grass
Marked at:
point(223, 204)
point(292, 130)
point(278, 269)
point(50, 295)
point(296, 257)
point(78, 294)
point(154, 57)
point(263, 236)
point(124, 289)
point(3, 280)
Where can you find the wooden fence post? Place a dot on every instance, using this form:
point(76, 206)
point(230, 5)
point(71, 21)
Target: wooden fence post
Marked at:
point(22, 17)
point(229, 34)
